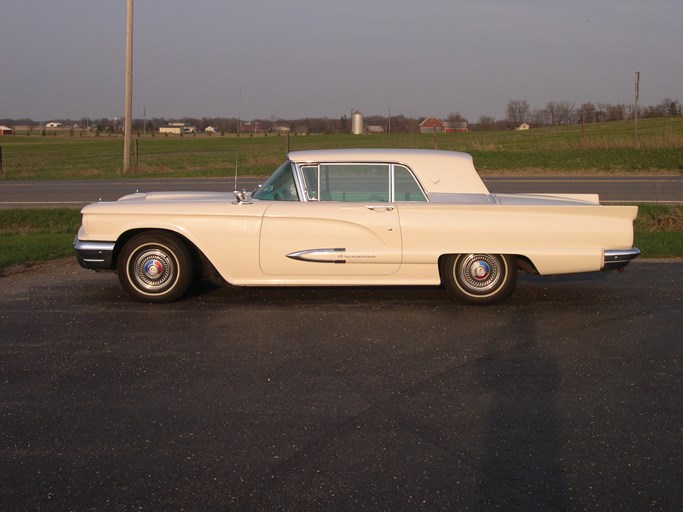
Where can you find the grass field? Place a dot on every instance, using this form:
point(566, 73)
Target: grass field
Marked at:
point(29, 236)
point(604, 148)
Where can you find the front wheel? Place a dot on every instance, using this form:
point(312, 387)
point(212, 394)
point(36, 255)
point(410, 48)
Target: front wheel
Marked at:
point(155, 267)
point(479, 278)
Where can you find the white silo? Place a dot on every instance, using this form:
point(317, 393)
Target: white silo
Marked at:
point(356, 123)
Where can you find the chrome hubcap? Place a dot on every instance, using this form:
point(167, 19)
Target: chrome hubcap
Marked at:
point(479, 272)
point(153, 269)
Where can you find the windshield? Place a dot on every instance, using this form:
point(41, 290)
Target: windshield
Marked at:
point(280, 186)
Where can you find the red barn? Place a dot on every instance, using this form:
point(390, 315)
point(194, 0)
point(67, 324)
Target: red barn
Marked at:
point(431, 125)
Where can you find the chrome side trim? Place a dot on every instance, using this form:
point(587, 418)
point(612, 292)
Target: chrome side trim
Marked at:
point(618, 258)
point(332, 255)
point(94, 254)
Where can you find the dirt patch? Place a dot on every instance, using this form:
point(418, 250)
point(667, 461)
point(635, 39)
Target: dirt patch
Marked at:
point(671, 221)
point(41, 266)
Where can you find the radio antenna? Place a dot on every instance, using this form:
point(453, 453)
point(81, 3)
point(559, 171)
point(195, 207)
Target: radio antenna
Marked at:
point(237, 154)
point(239, 130)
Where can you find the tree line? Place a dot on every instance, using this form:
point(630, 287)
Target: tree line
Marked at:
point(517, 112)
point(564, 112)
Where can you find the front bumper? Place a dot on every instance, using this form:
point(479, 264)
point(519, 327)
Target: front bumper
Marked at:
point(618, 258)
point(95, 255)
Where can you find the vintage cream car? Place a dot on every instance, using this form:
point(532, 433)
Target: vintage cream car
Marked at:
point(354, 217)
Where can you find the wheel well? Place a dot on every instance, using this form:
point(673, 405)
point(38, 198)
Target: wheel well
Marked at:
point(201, 265)
point(526, 265)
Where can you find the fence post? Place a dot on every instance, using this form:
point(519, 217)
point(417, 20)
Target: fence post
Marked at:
point(2, 172)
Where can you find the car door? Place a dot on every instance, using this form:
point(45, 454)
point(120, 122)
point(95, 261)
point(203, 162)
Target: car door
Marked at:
point(347, 227)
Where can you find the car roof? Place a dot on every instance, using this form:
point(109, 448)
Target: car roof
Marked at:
point(438, 171)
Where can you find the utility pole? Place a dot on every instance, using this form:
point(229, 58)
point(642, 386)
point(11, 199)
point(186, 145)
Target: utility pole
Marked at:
point(637, 94)
point(128, 123)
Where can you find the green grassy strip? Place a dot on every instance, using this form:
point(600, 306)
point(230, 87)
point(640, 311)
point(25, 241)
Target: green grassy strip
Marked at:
point(659, 244)
point(39, 220)
point(29, 236)
point(34, 248)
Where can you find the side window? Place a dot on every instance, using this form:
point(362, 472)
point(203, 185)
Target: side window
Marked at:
point(280, 186)
point(405, 187)
point(354, 182)
point(310, 173)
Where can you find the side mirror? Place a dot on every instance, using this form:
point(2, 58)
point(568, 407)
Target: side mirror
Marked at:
point(241, 197)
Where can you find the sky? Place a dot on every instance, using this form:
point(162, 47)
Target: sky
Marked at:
point(286, 59)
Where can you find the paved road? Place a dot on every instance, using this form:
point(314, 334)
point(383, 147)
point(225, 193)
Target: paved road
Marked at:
point(76, 193)
point(566, 397)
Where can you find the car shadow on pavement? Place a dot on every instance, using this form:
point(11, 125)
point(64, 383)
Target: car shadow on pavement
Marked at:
point(522, 467)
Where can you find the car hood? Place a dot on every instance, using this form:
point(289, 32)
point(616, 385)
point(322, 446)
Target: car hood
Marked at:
point(178, 196)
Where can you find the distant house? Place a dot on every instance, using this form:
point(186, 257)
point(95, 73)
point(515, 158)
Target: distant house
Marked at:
point(209, 129)
point(434, 125)
point(457, 127)
point(431, 125)
point(170, 128)
point(374, 129)
point(53, 124)
point(177, 128)
point(522, 126)
point(6, 130)
point(250, 127)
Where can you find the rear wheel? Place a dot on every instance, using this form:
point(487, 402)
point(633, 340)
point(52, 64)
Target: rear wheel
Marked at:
point(155, 267)
point(479, 278)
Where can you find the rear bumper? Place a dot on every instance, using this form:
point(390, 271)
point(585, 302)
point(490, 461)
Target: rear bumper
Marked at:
point(94, 254)
point(618, 258)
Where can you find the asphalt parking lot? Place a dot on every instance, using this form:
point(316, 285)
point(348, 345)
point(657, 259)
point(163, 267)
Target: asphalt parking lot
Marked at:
point(566, 397)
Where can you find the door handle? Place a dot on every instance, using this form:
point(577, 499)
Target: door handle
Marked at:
point(380, 207)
